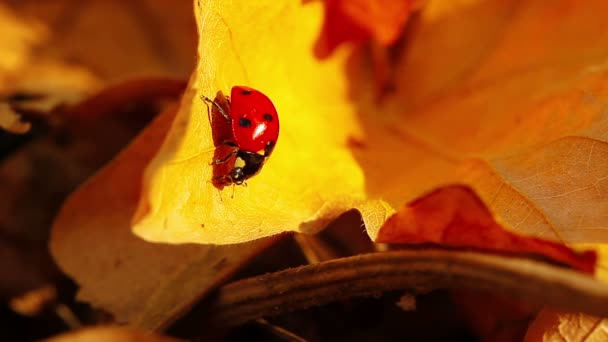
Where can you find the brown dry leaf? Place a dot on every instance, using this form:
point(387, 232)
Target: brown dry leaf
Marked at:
point(146, 284)
point(109, 333)
point(556, 325)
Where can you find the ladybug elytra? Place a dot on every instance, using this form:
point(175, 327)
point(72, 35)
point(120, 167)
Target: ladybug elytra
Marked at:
point(253, 132)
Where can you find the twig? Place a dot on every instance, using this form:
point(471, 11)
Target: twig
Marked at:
point(369, 274)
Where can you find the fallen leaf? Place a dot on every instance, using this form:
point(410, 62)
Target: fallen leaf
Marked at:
point(454, 216)
point(148, 285)
point(109, 333)
point(558, 325)
point(516, 114)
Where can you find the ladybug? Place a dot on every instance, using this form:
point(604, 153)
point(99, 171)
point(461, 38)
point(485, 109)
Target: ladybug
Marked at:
point(252, 133)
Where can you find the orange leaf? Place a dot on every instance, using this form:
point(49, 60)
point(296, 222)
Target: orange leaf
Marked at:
point(454, 216)
point(358, 20)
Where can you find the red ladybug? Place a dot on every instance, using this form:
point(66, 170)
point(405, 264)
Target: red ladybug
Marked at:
point(254, 130)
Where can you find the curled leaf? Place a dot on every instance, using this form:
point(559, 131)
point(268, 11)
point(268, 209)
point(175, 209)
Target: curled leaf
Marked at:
point(455, 217)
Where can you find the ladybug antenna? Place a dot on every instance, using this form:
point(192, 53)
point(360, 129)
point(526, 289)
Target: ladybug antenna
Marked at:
point(219, 192)
point(217, 106)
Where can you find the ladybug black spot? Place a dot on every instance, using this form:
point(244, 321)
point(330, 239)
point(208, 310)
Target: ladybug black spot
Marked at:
point(267, 117)
point(245, 91)
point(244, 122)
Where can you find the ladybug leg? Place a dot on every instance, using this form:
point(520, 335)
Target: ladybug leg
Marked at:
point(228, 143)
point(217, 106)
point(222, 180)
point(225, 159)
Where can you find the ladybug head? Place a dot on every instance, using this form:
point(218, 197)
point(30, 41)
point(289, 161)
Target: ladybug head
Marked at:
point(237, 176)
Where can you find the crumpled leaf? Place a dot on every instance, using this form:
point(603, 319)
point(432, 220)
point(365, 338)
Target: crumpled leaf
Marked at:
point(558, 325)
point(515, 112)
point(454, 216)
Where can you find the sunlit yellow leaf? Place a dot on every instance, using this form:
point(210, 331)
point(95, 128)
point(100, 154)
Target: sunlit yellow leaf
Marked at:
point(311, 176)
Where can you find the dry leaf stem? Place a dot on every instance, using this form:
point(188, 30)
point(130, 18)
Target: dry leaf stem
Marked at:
point(418, 270)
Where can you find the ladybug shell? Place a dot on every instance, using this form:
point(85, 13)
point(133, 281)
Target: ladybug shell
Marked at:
point(254, 119)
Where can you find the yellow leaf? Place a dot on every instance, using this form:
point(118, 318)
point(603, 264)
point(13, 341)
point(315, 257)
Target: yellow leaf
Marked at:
point(311, 176)
point(505, 97)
